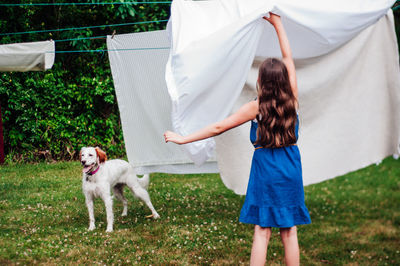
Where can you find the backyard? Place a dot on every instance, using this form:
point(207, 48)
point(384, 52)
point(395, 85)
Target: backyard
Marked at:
point(43, 219)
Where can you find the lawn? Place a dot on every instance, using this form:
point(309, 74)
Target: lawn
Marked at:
point(43, 219)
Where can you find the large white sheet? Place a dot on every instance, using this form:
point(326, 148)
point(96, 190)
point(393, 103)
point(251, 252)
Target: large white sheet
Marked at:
point(32, 56)
point(213, 44)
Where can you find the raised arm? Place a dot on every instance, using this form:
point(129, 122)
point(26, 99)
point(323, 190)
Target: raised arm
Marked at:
point(287, 58)
point(247, 112)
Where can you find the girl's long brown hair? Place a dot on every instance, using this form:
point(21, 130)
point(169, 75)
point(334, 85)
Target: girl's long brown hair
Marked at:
point(277, 106)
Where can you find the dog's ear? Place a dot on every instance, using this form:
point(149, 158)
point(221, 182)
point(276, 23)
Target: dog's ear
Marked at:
point(101, 155)
point(80, 153)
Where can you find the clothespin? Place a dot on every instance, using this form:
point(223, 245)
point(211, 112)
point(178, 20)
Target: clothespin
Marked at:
point(112, 37)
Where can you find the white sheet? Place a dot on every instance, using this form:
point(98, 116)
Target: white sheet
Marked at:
point(213, 44)
point(145, 105)
point(32, 56)
point(349, 108)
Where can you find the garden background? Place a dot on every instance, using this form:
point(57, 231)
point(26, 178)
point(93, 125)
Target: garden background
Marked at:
point(49, 115)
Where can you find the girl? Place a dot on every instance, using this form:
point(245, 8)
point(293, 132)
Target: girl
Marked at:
point(275, 196)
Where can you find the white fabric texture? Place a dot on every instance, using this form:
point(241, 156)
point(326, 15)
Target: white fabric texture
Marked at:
point(349, 110)
point(144, 103)
point(31, 56)
point(213, 44)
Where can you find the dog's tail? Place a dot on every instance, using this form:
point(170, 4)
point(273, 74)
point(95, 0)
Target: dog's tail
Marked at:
point(144, 181)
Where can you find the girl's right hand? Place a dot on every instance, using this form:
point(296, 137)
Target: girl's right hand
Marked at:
point(170, 136)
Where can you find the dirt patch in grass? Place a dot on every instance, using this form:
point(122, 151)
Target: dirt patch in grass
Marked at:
point(367, 231)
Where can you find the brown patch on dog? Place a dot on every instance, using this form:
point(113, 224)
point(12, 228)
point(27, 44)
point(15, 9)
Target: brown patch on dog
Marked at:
point(101, 155)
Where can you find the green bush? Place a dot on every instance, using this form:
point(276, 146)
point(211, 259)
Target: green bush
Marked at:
point(50, 115)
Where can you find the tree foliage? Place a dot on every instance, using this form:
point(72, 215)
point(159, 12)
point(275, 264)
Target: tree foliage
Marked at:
point(51, 115)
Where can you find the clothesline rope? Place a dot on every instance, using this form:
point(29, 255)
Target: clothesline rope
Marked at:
point(80, 28)
point(86, 4)
point(108, 50)
point(105, 3)
point(83, 38)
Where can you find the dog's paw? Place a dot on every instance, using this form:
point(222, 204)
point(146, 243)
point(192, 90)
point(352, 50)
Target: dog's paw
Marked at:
point(109, 230)
point(91, 227)
point(154, 216)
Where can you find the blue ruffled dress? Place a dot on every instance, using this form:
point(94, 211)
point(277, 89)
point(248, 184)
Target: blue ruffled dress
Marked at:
point(275, 195)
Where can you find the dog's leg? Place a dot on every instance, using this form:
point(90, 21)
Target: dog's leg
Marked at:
point(89, 205)
point(119, 193)
point(108, 202)
point(142, 194)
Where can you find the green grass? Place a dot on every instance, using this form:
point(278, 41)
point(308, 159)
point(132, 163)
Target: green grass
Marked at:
point(43, 219)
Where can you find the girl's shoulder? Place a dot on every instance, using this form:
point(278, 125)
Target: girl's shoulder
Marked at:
point(255, 105)
point(246, 112)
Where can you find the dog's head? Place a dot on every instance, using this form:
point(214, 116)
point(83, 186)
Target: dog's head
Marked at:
point(90, 157)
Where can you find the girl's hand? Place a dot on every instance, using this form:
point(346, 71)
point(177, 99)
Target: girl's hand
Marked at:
point(273, 18)
point(170, 136)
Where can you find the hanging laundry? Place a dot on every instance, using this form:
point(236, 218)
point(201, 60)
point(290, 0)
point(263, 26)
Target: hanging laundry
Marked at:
point(349, 108)
point(30, 56)
point(144, 103)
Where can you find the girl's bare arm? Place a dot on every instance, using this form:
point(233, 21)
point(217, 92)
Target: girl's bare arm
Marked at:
point(245, 113)
point(287, 58)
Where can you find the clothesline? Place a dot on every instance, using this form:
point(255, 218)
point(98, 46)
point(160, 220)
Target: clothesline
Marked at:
point(83, 38)
point(109, 50)
point(82, 4)
point(88, 27)
point(103, 3)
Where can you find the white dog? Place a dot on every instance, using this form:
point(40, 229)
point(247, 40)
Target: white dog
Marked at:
point(100, 175)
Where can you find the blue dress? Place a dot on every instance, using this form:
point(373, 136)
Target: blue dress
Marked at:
point(275, 195)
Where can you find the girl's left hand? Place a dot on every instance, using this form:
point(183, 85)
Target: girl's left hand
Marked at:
point(273, 18)
point(170, 136)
